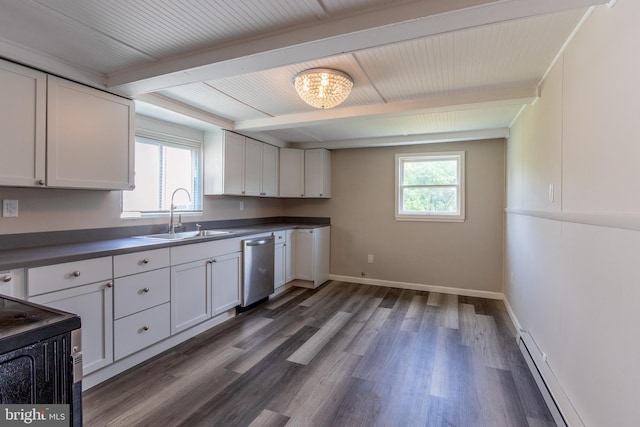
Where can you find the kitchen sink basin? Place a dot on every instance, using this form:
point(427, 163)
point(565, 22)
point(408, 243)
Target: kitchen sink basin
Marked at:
point(185, 235)
point(172, 236)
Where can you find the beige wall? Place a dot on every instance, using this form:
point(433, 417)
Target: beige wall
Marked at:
point(54, 210)
point(463, 255)
point(571, 266)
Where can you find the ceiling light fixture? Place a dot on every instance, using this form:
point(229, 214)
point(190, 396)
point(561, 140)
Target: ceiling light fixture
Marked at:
point(323, 87)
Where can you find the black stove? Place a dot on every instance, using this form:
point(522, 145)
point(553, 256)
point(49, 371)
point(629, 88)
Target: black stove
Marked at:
point(24, 323)
point(40, 356)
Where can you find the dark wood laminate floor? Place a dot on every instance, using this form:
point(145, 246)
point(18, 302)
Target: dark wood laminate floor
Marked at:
point(341, 355)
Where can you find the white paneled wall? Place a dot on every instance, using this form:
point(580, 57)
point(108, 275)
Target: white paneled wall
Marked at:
point(571, 265)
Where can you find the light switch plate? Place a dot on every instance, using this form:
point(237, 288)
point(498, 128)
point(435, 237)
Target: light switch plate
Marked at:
point(9, 208)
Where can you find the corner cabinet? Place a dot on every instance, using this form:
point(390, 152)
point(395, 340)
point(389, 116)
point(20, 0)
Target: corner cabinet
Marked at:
point(238, 166)
point(305, 173)
point(57, 133)
point(317, 173)
point(291, 172)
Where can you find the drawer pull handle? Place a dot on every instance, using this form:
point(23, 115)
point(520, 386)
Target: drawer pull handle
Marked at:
point(6, 278)
point(145, 261)
point(76, 274)
point(109, 285)
point(145, 290)
point(145, 328)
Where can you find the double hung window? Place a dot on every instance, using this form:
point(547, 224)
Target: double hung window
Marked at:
point(430, 187)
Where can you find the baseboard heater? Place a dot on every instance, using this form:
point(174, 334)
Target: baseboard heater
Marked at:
point(561, 408)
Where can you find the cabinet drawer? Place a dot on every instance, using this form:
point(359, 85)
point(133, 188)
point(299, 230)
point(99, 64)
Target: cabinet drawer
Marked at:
point(139, 262)
point(141, 291)
point(140, 330)
point(197, 251)
point(68, 275)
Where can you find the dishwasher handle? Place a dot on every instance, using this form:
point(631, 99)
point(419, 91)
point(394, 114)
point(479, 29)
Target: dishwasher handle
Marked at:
point(259, 242)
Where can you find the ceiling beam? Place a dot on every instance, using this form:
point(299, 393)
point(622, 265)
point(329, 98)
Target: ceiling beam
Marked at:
point(429, 138)
point(369, 29)
point(470, 100)
point(177, 107)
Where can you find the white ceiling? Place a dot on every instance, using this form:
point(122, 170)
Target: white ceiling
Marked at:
point(428, 70)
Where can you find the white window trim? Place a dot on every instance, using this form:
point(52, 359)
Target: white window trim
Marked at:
point(459, 216)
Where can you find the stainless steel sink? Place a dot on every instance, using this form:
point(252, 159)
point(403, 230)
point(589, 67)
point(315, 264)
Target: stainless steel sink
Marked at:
point(172, 236)
point(185, 235)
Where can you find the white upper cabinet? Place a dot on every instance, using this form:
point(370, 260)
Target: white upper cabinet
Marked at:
point(239, 166)
point(305, 173)
point(270, 167)
point(23, 124)
point(57, 133)
point(317, 173)
point(252, 167)
point(90, 137)
point(291, 172)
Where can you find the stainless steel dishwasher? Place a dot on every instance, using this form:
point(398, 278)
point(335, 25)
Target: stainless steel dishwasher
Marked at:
point(258, 281)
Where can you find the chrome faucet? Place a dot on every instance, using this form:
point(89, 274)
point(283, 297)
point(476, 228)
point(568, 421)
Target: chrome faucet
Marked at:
point(172, 226)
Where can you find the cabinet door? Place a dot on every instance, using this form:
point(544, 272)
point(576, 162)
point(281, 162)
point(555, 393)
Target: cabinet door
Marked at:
point(225, 282)
point(90, 137)
point(233, 164)
point(190, 298)
point(290, 256)
point(304, 254)
point(94, 304)
point(317, 173)
point(270, 160)
point(252, 167)
point(23, 123)
point(291, 180)
point(279, 267)
point(321, 255)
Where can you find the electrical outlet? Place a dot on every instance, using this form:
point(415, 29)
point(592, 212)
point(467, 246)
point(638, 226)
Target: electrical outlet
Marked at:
point(241, 206)
point(9, 208)
point(370, 259)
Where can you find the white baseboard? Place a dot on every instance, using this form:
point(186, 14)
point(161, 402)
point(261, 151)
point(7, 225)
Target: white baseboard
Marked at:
point(558, 402)
point(419, 287)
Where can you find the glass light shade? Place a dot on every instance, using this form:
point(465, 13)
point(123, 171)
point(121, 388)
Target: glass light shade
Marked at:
point(323, 87)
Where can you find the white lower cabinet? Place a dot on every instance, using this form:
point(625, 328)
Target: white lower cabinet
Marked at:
point(203, 287)
point(312, 255)
point(190, 295)
point(279, 258)
point(225, 272)
point(84, 288)
point(290, 256)
point(94, 304)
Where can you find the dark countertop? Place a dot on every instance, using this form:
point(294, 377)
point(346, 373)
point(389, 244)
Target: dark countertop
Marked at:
point(66, 252)
point(25, 323)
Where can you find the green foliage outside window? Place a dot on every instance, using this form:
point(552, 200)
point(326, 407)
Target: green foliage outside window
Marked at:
point(430, 186)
